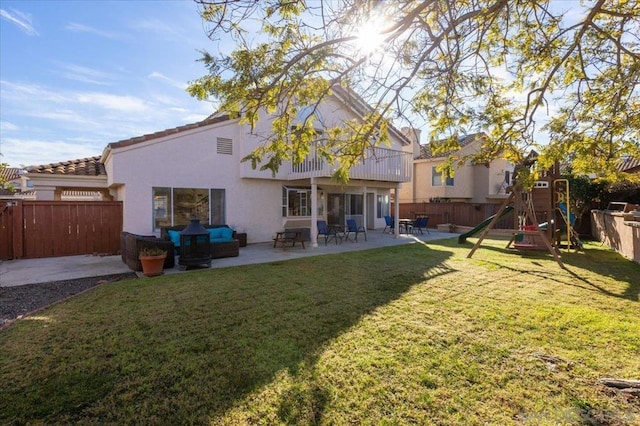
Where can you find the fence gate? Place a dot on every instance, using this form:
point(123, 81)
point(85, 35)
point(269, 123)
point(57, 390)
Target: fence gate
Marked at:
point(33, 229)
point(6, 230)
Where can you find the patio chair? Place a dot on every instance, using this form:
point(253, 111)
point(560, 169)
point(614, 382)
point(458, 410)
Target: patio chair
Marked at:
point(420, 224)
point(353, 228)
point(326, 232)
point(389, 224)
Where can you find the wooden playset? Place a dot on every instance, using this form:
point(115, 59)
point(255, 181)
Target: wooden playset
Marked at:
point(539, 216)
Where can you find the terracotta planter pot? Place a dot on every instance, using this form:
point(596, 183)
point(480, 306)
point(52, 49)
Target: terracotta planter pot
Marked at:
point(152, 266)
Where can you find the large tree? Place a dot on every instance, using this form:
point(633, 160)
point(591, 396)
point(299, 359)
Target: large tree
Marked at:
point(558, 77)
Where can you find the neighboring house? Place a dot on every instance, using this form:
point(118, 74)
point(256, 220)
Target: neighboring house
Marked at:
point(17, 179)
point(166, 177)
point(83, 179)
point(629, 165)
point(475, 183)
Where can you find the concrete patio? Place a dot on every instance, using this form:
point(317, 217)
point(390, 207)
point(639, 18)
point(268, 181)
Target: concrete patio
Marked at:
point(31, 271)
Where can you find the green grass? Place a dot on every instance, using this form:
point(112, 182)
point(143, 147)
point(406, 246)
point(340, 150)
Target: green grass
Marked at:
point(414, 334)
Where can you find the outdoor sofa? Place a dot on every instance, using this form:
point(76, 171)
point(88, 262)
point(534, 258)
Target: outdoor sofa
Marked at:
point(222, 238)
point(132, 244)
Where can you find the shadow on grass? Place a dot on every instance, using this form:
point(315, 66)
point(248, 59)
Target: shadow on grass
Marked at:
point(600, 261)
point(188, 348)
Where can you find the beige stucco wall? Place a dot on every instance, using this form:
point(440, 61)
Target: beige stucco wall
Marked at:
point(189, 160)
point(471, 182)
point(618, 232)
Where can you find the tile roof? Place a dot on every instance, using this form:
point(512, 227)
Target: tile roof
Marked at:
point(629, 165)
point(10, 173)
point(426, 153)
point(93, 166)
point(139, 139)
point(81, 167)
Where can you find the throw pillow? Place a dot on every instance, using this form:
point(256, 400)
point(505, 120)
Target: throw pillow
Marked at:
point(175, 237)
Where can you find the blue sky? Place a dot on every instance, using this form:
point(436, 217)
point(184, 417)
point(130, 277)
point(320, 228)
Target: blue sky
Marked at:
point(77, 75)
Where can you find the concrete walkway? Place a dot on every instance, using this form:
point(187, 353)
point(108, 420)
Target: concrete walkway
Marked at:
point(31, 271)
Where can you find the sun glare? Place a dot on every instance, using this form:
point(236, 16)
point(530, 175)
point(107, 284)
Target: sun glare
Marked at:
point(370, 35)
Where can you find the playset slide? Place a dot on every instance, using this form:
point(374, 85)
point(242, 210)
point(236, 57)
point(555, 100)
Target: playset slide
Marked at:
point(463, 237)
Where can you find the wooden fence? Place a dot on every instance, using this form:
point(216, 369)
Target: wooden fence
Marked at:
point(460, 214)
point(34, 229)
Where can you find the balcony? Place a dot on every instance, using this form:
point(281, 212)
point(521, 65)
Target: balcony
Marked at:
point(380, 164)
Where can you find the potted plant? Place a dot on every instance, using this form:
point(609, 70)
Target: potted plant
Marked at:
point(152, 260)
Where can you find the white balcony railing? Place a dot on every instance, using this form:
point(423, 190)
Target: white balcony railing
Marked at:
point(380, 164)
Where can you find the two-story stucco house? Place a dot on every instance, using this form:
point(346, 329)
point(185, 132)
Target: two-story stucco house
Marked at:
point(475, 183)
point(166, 177)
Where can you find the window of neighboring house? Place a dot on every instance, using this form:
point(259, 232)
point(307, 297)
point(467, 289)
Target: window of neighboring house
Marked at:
point(176, 206)
point(436, 178)
point(382, 206)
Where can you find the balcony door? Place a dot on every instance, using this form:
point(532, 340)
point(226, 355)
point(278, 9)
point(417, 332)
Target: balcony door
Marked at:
point(335, 209)
point(341, 207)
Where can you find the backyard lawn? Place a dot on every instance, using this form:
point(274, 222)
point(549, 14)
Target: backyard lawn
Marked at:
point(413, 334)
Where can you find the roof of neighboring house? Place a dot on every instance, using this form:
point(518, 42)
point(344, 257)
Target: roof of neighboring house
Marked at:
point(4, 194)
point(426, 153)
point(629, 165)
point(10, 173)
point(81, 167)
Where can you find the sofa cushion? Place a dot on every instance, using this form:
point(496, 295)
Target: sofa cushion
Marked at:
point(215, 233)
point(175, 237)
point(227, 233)
point(220, 240)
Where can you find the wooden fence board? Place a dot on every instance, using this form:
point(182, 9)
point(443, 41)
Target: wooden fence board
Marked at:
point(461, 214)
point(60, 228)
point(6, 231)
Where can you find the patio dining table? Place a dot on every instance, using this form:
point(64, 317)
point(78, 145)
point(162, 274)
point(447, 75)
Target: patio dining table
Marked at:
point(406, 223)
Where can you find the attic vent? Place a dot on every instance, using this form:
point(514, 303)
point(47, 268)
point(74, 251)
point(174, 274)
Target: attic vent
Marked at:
point(224, 146)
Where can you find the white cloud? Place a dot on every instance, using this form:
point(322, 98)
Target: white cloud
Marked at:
point(21, 20)
point(126, 104)
point(7, 126)
point(29, 152)
point(82, 123)
point(81, 28)
point(154, 25)
point(85, 74)
point(194, 118)
point(175, 83)
point(27, 93)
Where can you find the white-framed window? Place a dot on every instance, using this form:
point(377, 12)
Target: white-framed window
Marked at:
point(436, 178)
point(382, 206)
point(296, 202)
point(176, 206)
